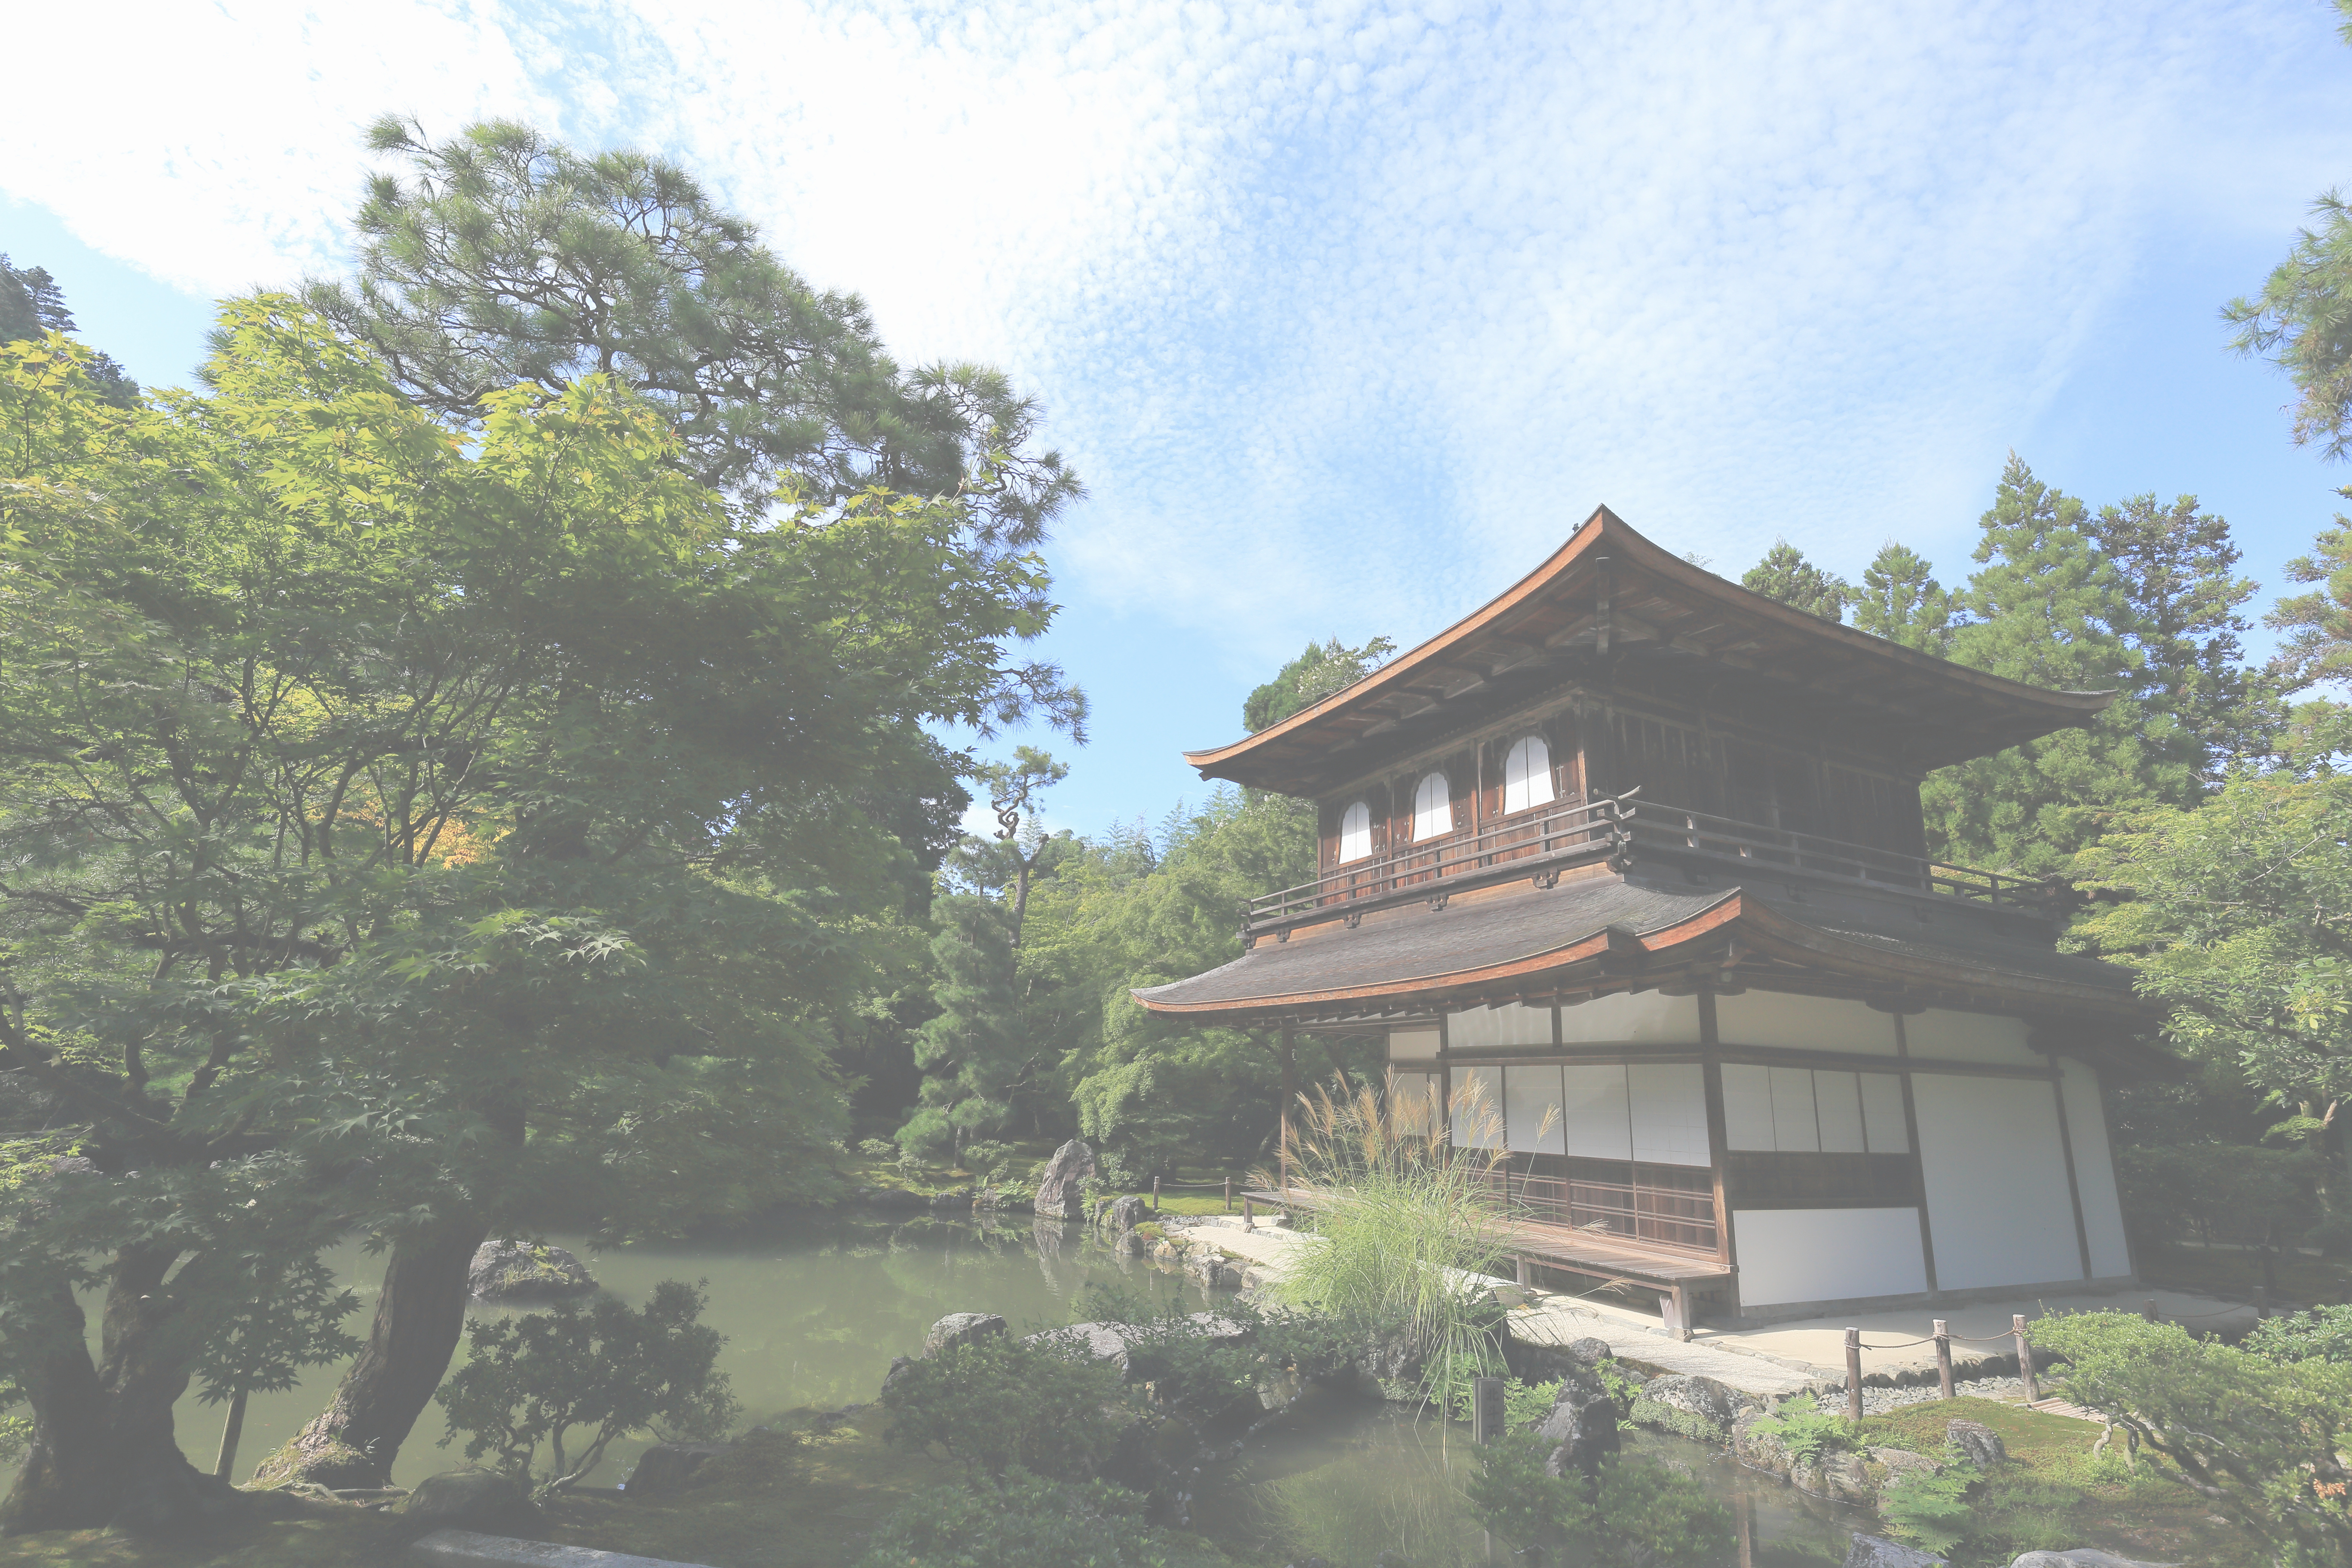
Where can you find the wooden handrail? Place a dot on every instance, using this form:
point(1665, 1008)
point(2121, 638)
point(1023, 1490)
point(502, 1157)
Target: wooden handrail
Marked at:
point(1622, 821)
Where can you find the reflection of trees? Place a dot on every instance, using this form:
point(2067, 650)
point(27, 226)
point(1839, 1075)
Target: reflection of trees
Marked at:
point(1390, 1494)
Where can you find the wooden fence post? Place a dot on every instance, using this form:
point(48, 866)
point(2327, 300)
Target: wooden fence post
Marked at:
point(2148, 1311)
point(1853, 1375)
point(1155, 1194)
point(1943, 1356)
point(2262, 1302)
point(1229, 1195)
point(1486, 1409)
point(2024, 1358)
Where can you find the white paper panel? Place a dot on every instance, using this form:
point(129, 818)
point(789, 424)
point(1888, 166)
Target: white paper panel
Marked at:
point(2095, 1172)
point(1996, 1182)
point(1412, 1106)
point(1413, 1045)
point(1669, 1103)
point(1532, 1110)
point(1747, 1107)
point(1882, 1113)
point(1794, 1129)
point(1643, 1016)
point(1806, 1022)
point(1968, 1037)
point(1477, 1108)
point(1837, 1104)
point(1593, 1112)
point(1830, 1255)
point(1511, 1025)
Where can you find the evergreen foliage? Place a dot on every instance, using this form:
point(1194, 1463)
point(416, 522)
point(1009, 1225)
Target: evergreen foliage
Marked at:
point(2317, 645)
point(971, 1051)
point(1002, 1405)
point(1785, 575)
point(1028, 1522)
point(1901, 601)
point(32, 306)
point(1323, 669)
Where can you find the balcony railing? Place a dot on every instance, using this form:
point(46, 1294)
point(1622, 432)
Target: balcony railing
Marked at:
point(1620, 823)
point(1678, 1216)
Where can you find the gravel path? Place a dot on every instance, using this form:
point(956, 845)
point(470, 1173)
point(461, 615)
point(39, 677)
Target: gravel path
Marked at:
point(1878, 1401)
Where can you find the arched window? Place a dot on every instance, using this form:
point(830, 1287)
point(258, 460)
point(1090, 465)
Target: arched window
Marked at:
point(1527, 775)
point(1355, 832)
point(1432, 808)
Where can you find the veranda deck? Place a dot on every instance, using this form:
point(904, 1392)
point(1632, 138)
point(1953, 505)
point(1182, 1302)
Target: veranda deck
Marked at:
point(1676, 1274)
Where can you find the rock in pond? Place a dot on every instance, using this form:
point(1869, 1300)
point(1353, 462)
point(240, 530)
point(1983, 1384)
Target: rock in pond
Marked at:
point(470, 1500)
point(1125, 1215)
point(1877, 1551)
point(1978, 1443)
point(1061, 1192)
point(509, 1270)
point(960, 1329)
point(1583, 1425)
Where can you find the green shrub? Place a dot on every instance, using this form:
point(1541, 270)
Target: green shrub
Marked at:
point(878, 1147)
point(1807, 1431)
point(1003, 1403)
point(2323, 1334)
point(530, 1380)
point(1931, 1511)
point(2262, 1440)
point(1636, 1513)
point(1526, 1405)
point(984, 1156)
point(1028, 1522)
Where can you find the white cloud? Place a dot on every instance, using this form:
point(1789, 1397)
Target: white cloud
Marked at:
point(1346, 311)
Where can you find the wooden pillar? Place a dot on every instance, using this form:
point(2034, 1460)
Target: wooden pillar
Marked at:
point(1716, 1138)
point(1853, 1375)
point(1289, 1094)
point(1445, 1081)
point(1918, 1166)
point(1944, 1357)
point(2066, 1148)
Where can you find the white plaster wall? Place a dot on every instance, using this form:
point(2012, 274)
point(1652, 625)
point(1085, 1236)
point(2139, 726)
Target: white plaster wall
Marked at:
point(2095, 1171)
point(1669, 1100)
point(1532, 1110)
point(1477, 1108)
point(1829, 1254)
point(1641, 1015)
point(1512, 1024)
point(1594, 1117)
point(1807, 1023)
point(1996, 1182)
point(1413, 1045)
point(1968, 1037)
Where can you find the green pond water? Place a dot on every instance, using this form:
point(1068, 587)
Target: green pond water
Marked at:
point(813, 1312)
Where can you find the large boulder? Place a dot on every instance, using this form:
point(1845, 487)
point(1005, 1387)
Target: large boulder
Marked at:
point(961, 1328)
point(667, 1467)
point(1978, 1443)
point(1535, 1360)
point(1901, 1462)
point(482, 1500)
point(509, 1270)
point(1125, 1215)
point(1582, 1427)
point(1756, 1444)
point(1061, 1191)
point(1695, 1407)
point(1877, 1551)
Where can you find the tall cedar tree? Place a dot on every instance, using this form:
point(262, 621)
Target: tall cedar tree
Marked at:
point(1785, 575)
point(2046, 608)
point(1323, 669)
point(1901, 601)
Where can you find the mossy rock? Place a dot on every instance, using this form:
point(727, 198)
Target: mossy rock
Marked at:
point(1681, 1423)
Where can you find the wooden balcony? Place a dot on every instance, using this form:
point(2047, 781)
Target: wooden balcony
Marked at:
point(1615, 827)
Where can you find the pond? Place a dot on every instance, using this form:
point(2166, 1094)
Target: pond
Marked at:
point(813, 1312)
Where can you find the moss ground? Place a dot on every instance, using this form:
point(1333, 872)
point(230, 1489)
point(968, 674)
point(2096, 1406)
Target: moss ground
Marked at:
point(2058, 1495)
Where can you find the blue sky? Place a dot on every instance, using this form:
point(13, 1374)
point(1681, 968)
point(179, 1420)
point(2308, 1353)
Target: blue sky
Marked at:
point(1347, 314)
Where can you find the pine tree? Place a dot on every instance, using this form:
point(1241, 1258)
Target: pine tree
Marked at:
point(32, 306)
point(2177, 564)
point(972, 1053)
point(1323, 669)
point(1901, 601)
point(2046, 608)
point(1785, 575)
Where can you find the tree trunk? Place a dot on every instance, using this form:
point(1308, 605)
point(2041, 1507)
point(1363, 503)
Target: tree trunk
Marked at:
point(103, 1454)
point(419, 1318)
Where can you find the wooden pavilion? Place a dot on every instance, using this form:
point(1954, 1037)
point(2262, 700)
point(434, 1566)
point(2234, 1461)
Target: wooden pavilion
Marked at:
point(1640, 852)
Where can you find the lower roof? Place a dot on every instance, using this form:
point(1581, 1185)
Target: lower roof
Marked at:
point(1613, 932)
